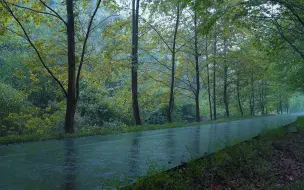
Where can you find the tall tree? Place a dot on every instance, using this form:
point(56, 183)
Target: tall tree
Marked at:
point(225, 95)
point(71, 96)
point(73, 82)
point(252, 104)
point(238, 93)
point(171, 97)
point(197, 70)
point(208, 79)
point(214, 71)
point(135, 12)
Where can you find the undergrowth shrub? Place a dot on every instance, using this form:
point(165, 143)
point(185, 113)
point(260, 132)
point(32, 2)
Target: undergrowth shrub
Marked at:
point(300, 121)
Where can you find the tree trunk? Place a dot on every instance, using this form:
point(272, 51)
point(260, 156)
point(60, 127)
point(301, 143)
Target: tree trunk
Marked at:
point(214, 72)
point(225, 78)
point(265, 97)
point(252, 96)
point(208, 79)
point(134, 68)
point(250, 104)
point(261, 98)
point(197, 71)
point(281, 107)
point(71, 97)
point(197, 114)
point(171, 99)
point(238, 94)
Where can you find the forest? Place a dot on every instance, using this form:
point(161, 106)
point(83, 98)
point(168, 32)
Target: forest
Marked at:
point(83, 66)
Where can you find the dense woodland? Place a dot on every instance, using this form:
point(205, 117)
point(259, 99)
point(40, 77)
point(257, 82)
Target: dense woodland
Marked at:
point(82, 65)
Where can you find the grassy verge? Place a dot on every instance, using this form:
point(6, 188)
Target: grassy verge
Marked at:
point(49, 136)
point(273, 160)
point(175, 125)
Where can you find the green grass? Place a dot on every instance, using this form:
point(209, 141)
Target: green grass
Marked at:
point(175, 125)
point(49, 136)
point(300, 121)
point(246, 165)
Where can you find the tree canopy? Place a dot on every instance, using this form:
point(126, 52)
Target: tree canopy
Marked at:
point(89, 65)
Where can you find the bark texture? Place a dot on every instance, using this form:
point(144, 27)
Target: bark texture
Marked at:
point(171, 98)
point(71, 97)
point(135, 106)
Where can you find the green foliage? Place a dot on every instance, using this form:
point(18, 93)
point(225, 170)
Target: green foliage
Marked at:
point(300, 121)
point(91, 110)
point(19, 116)
point(296, 102)
point(11, 102)
point(156, 116)
point(255, 50)
point(33, 120)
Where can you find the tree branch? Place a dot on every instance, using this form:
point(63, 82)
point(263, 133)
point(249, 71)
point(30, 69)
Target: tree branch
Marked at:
point(158, 33)
point(289, 6)
point(84, 49)
point(113, 15)
point(160, 81)
point(185, 83)
point(186, 94)
point(295, 14)
point(12, 31)
point(185, 44)
point(36, 11)
point(156, 59)
point(58, 16)
point(188, 89)
point(286, 39)
point(36, 50)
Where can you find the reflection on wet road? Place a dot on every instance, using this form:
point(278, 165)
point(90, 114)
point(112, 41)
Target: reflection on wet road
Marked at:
point(95, 162)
